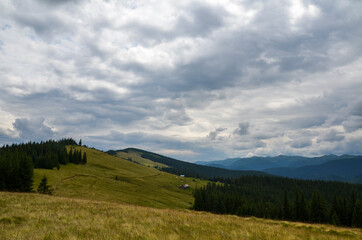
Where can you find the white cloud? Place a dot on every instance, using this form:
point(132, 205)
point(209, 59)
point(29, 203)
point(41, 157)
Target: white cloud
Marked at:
point(298, 9)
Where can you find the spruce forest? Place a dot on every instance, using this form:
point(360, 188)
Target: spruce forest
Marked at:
point(18, 161)
point(311, 201)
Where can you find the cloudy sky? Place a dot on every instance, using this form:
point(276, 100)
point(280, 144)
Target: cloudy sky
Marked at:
point(195, 80)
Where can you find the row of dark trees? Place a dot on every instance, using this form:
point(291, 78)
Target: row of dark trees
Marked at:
point(77, 157)
point(16, 172)
point(283, 198)
point(18, 161)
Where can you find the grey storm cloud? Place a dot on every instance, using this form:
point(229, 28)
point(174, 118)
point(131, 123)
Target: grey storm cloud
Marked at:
point(213, 135)
point(243, 129)
point(353, 123)
point(332, 136)
point(249, 145)
point(6, 137)
point(304, 122)
point(357, 108)
point(162, 75)
point(33, 129)
point(198, 19)
point(301, 143)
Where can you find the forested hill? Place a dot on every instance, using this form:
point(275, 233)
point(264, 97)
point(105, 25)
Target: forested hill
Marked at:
point(283, 198)
point(179, 167)
point(17, 161)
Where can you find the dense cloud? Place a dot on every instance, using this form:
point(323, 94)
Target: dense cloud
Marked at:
point(331, 136)
point(32, 129)
point(243, 129)
point(214, 134)
point(178, 77)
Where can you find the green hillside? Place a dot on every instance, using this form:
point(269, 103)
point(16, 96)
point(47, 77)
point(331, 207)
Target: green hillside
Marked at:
point(34, 216)
point(114, 179)
point(135, 156)
point(178, 167)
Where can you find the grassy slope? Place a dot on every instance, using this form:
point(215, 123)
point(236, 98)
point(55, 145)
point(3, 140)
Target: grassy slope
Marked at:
point(34, 216)
point(136, 157)
point(138, 184)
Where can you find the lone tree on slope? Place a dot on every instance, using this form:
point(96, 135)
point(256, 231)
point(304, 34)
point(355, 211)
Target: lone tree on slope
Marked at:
point(43, 186)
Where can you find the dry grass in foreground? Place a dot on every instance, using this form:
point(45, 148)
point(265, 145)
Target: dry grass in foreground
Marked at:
point(33, 216)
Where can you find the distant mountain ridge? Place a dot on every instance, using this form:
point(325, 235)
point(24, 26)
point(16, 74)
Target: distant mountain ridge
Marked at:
point(261, 163)
point(179, 167)
point(347, 169)
point(329, 167)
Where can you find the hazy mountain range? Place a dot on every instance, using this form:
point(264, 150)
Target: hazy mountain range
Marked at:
point(329, 167)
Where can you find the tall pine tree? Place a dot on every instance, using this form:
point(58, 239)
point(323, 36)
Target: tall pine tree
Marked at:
point(286, 208)
point(84, 159)
point(43, 186)
point(357, 215)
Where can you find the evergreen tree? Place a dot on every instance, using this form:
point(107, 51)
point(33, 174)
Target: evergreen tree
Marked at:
point(3, 170)
point(343, 217)
point(357, 215)
point(304, 209)
point(79, 157)
point(220, 206)
point(314, 207)
point(75, 156)
point(25, 173)
point(351, 207)
point(286, 207)
point(297, 206)
point(71, 156)
point(318, 209)
point(43, 186)
point(84, 160)
point(335, 209)
point(334, 219)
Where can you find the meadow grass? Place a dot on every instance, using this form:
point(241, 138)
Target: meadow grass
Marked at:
point(110, 178)
point(35, 216)
point(136, 157)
